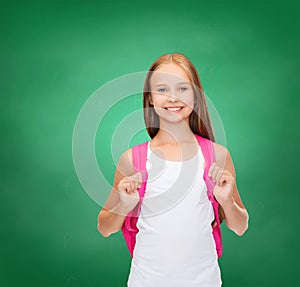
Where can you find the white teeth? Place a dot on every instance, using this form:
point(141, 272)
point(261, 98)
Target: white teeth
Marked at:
point(173, 109)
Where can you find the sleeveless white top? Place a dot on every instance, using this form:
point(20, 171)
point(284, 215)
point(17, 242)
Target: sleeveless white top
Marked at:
point(175, 245)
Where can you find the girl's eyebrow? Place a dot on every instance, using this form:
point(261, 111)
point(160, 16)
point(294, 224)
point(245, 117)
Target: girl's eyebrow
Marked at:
point(161, 84)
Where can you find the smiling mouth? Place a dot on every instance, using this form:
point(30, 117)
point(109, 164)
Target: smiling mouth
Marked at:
point(173, 109)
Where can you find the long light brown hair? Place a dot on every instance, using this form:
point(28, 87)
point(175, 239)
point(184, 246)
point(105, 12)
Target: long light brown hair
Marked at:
point(199, 120)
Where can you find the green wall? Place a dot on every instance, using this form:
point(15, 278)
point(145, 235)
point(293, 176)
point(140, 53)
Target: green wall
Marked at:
point(55, 54)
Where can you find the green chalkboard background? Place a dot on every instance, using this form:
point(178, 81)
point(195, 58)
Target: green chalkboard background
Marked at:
point(56, 54)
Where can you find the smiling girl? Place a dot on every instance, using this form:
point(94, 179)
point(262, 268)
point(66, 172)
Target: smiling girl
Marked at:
point(175, 245)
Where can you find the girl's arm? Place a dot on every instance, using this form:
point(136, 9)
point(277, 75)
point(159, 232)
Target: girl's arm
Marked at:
point(112, 215)
point(226, 192)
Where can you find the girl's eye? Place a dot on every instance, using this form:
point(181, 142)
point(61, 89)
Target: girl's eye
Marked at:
point(182, 89)
point(162, 90)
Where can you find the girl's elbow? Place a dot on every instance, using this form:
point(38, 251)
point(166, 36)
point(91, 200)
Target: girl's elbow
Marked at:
point(99, 226)
point(246, 224)
point(238, 230)
point(244, 228)
point(104, 234)
point(241, 232)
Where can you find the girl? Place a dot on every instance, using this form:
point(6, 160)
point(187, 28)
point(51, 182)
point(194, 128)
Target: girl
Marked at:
point(174, 245)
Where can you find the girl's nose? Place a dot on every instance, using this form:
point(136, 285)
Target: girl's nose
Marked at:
point(172, 98)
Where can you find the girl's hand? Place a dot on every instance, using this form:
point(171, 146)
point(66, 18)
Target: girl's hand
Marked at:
point(127, 187)
point(225, 183)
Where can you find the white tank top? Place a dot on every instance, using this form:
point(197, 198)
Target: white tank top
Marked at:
point(175, 245)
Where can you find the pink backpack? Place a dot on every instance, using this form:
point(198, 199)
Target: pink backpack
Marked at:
point(139, 156)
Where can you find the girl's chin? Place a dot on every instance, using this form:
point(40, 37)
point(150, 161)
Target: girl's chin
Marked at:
point(173, 118)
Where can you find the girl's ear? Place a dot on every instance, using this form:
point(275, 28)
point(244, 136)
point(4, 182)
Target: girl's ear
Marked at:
point(150, 99)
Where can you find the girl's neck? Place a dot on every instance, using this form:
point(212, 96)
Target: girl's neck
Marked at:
point(174, 133)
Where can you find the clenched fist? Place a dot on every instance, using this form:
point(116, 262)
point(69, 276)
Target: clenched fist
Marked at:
point(127, 187)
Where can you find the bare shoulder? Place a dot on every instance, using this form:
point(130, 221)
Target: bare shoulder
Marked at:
point(124, 168)
point(223, 157)
point(220, 152)
point(125, 165)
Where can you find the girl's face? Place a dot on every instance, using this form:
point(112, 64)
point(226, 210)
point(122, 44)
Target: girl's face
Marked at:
point(171, 93)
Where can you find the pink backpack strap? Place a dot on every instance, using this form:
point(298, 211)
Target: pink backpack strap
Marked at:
point(129, 228)
point(209, 156)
